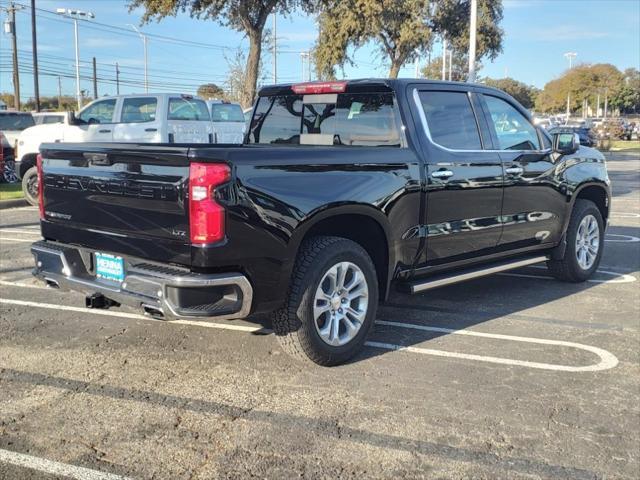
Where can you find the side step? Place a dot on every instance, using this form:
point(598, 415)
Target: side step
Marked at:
point(463, 275)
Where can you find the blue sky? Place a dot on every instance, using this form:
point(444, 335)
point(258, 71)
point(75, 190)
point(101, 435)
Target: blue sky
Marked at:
point(537, 33)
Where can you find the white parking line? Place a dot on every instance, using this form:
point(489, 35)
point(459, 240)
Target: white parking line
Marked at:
point(618, 277)
point(621, 238)
point(625, 215)
point(55, 468)
point(19, 230)
point(607, 359)
point(17, 240)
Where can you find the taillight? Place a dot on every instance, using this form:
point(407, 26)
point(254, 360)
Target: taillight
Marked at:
point(206, 216)
point(40, 186)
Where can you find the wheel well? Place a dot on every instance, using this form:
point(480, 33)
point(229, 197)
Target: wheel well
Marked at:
point(597, 195)
point(366, 232)
point(27, 162)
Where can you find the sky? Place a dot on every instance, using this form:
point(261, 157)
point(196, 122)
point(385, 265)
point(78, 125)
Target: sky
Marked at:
point(184, 52)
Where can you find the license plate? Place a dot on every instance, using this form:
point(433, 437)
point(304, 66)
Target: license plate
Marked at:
point(109, 267)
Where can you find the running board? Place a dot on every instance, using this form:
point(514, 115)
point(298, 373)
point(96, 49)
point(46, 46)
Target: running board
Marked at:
point(463, 275)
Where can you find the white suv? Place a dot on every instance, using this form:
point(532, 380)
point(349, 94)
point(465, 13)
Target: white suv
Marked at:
point(148, 118)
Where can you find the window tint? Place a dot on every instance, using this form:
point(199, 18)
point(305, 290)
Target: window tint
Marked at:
point(98, 112)
point(277, 120)
point(451, 120)
point(15, 121)
point(225, 112)
point(354, 120)
point(513, 129)
point(138, 110)
point(52, 119)
point(188, 109)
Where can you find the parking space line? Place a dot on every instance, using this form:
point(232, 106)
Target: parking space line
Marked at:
point(607, 359)
point(19, 230)
point(55, 468)
point(17, 240)
point(23, 285)
point(618, 277)
point(621, 238)
point(625, 215)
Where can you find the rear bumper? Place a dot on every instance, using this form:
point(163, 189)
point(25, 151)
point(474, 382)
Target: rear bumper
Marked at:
point(159, 290)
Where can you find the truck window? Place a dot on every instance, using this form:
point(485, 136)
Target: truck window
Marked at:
point(188, 109)
point(226, 112)
point(98, 112)
point(513, 130)
point(15, 121)
point(450, 120)
point(139, 109)
point(363, 119)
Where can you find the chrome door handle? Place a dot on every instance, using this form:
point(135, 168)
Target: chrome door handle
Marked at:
point(514, 170)
point(442, 174)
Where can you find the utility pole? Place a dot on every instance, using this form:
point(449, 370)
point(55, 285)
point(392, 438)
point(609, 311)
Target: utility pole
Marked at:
point(598, 105)
point(275, 49)
point(444, 58)
point(10, 28)
point(450, 62)
point(117, 79)
point(59, 93)
point(570, 56)
point(34, 49)
point(75, 15)
point(305, 55)
point(95, 80)
point(472, 40)
point(146, 58)
point(606, 103)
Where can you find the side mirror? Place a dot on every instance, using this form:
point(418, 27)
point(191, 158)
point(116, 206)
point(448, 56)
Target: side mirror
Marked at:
point(566, 143)
point(71, 116)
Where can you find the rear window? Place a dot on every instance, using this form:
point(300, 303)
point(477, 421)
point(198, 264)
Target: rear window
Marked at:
point(188, 109)
point(362, 119)
point(16, 121)
point(226, 112)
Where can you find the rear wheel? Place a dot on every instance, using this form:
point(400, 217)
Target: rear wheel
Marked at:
point(585, 239)
point(331, 303)
point(9, 173)
point(30, 185)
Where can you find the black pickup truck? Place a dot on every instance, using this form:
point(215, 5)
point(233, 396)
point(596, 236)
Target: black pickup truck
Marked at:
point(340, 191)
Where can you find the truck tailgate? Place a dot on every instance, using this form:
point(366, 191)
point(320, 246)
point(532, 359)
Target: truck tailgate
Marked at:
point(128, 199)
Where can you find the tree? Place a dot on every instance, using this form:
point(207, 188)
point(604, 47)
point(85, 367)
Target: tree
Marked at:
point(627, 98)
point(583, 82)
point(401, 29)
point(459, 68)
point(209, 91)
point(248, 16)
point(523, 93)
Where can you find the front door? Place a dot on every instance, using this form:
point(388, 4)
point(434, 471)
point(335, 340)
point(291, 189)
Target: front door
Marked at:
point(533, 205)
point(464, 177)
point(95, 123)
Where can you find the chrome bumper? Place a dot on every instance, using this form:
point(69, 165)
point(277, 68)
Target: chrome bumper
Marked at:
point(158, 290)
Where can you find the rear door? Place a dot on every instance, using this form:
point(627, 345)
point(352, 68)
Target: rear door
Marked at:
point(188, 121)
point(464, 176)
point(228, 122)
point(119, 199)
point(138, 120)
point(534, 205)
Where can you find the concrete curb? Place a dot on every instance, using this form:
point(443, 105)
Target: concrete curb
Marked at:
point(15, 203)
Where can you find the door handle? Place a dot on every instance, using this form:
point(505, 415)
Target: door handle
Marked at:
point(150, 129)
point(514, 170)
point(104, 131)
point(442, 174)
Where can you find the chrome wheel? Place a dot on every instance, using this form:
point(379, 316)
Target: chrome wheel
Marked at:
point(340, 304)
point(587, 242)
point(9, 173)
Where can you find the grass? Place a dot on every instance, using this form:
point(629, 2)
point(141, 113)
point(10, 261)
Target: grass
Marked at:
point(625, 145)
point(9, 191)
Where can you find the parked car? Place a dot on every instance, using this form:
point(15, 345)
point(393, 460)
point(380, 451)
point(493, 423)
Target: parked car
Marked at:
point(342, 191)
point(228, 121)
point(148, 118)
point(12, 124)
point(7, 161)
point(586, 137)
point(49, 117)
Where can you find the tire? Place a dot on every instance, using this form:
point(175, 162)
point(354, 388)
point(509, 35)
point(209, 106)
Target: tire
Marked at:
point(30, 185)
point(303, 333)
point(569, 268)
point(9, 172)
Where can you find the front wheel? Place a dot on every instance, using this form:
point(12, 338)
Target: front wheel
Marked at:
point(9, 173)
point(30, 185)
point(331, 303)
point(585, 240)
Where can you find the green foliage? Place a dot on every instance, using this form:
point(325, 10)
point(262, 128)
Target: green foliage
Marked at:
point(402, 30)
point(459, 70)
point(209, 91)
point(46, 103)
point(581, 82)
point(248, 16)
point(627, 97)
point(523, 93)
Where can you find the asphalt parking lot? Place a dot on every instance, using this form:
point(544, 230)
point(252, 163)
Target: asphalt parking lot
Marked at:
point(511, 376)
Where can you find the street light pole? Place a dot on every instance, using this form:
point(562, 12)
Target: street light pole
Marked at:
point(472, 40)
point(570, 56)
point(75, 15)
point(144, 43)
point(444, 58)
